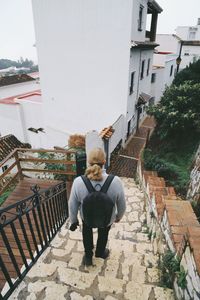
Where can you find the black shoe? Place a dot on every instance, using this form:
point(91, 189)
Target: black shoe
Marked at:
point(104, 255)
point(87, 261)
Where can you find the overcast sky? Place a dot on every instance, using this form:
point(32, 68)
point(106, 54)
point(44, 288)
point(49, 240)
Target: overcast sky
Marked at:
point(17, 31)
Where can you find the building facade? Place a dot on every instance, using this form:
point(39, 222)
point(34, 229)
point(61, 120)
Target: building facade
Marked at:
point(185, 43)
point(95, 60)
point(164, 70)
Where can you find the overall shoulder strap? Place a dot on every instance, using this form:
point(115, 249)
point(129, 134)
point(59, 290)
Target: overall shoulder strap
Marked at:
point(107, 183)
point(88, 184)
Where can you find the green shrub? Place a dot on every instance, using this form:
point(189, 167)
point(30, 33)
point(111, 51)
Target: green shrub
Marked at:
point(170, 268)
point(173, 174)
point(191, 72)
point(178, 113)
point(181, 278)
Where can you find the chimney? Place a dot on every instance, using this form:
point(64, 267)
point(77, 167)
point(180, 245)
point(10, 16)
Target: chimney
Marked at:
point(198, 21)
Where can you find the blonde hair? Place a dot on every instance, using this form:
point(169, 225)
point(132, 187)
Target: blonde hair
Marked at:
point(96, 160)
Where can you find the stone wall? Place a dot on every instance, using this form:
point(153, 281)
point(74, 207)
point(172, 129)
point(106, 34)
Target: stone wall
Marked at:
point(194, 186)
point(173, 224)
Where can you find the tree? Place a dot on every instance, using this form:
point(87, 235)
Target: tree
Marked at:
point(178, 112)
point(190, 73)
point(6, 63)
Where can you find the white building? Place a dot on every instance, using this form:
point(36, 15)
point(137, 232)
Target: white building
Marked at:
point(164, 70)
point(20, 115)
point(185, 43)
point(189, 33)
point(95, 60)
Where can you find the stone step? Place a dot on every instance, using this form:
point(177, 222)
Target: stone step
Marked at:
point(129, 273)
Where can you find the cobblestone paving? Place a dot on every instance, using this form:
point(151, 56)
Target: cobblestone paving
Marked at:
point(130, 272)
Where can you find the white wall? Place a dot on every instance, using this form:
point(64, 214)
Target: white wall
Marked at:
point(18, 89)
point(198, 32)
point(83, 50)
point(119, 131)
point(167, 43)
point(194, 53)
point(137, 35)
point(168, 79)
point(55, 137)
point(183, 32)
point(144, 85)
point(162, 71)
point(10, 121)
point(157, 87)
point(32, 116)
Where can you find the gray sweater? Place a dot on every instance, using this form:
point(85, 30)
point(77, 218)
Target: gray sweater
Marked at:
point(79, 192)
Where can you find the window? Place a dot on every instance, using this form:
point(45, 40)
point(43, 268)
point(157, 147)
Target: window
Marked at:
point(152, 101)
point(132, 82)
point(153, 77)
point(192, 35)
point(148, 66)
point(4, 168)
point(187, 52)
point(171, 70)
point(140, 18)
point(142, 70)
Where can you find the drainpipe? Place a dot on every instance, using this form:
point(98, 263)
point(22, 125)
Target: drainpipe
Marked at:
point(178, 60)
point(106, 149)
point(138, 85)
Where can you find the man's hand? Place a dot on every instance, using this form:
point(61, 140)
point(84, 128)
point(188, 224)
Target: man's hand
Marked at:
point(73, 226)
point(117, 220)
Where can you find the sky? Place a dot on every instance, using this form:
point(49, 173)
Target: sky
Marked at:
point(17, 35)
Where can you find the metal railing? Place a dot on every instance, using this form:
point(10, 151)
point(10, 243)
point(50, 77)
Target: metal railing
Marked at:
point(26, 228)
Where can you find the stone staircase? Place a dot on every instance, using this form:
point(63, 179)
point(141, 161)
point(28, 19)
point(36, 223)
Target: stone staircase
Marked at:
point(130, 272)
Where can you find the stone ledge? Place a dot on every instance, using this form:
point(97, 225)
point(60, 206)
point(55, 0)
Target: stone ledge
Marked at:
point(183, 226)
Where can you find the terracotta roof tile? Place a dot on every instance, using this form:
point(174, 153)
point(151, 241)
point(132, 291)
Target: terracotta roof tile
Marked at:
point(107, 132)
point(8, 143)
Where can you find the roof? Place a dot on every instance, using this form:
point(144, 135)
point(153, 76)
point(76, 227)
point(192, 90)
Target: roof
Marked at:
point(144, 45)
point(8, 143)
point(34, 96)
point(155, 67)
point(34, 75)
point(7, 80)
point(153, 5)
point(144, 98)
point(107, 132)
point(164, 52)
point(191, 43)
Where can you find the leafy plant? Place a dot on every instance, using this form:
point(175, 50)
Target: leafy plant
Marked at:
point(5, 195)
point(57, 167)
point(181, 278)
point(191, 72)
point(178, 112)
point(170, 268)
point(149, 235)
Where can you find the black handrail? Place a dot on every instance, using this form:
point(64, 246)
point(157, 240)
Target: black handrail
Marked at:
point(24, 226)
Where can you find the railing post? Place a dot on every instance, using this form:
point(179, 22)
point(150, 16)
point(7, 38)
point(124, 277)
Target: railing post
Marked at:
point(35, 190)
point(18, 164)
